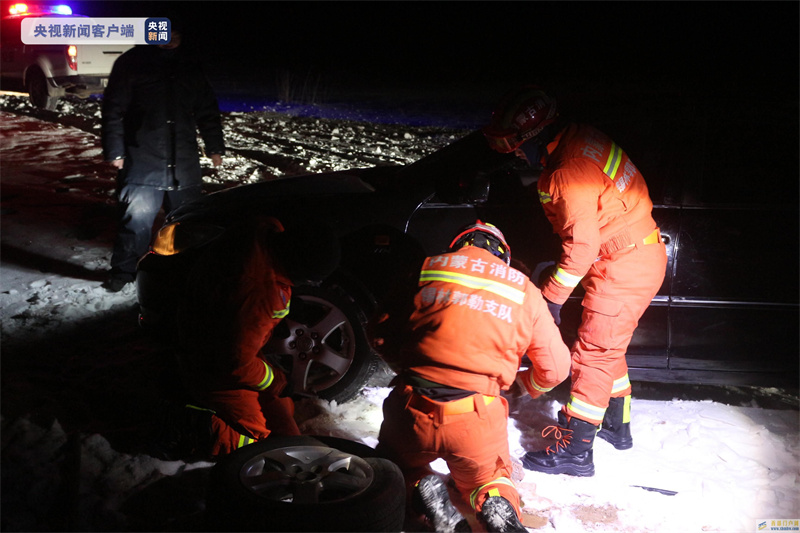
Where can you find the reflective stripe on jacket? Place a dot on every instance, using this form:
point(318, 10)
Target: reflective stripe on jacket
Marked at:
point(595, 198)
point(474, 318)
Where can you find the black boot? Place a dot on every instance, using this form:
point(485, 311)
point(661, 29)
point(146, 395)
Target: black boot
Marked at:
point(183, 433)
point(497, 514)
point(572, 452)
point(432, 499)
point(617, 423)
point(117, 280)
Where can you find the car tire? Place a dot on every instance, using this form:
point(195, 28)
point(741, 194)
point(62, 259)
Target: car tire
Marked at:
point(39, 92)
point(322, 345)
point(341, 485)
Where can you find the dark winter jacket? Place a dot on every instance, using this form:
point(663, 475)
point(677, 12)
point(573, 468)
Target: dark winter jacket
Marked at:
point(155, 103)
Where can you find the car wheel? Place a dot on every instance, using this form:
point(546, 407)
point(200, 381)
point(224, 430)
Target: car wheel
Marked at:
point(305, 484)
point(39, 92)
point(322, 346)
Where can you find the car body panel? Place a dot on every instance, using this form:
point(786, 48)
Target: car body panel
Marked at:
point(715, 318)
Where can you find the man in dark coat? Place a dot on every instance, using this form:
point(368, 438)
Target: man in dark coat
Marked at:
point(156, 101)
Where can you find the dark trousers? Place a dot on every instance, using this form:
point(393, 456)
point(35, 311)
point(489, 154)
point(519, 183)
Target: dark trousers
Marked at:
point(138, 208)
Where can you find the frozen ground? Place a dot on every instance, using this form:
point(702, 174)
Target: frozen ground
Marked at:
point(80, 382)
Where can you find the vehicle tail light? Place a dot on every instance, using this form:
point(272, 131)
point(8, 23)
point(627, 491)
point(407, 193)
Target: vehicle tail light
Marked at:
point(72, 56)
point(164, 243)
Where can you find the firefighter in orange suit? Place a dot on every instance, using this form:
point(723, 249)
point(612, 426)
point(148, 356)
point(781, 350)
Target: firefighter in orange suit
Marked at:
point(456, 341)
point(238, 290)
point(598, 203)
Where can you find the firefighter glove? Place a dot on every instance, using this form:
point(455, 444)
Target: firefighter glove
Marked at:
point(555, 310)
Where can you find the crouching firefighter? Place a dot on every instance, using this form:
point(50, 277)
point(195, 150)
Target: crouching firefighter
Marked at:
point(598, 203)
point(456, 335)
point(236, 293)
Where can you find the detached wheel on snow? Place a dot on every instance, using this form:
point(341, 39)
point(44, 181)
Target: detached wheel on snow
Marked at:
point(305, 484)
point(39, 92)
point(322, 345)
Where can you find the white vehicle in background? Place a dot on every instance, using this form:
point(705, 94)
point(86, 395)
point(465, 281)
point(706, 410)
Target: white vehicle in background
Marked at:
point(49, 72)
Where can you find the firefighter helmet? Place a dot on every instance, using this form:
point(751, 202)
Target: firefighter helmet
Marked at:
point(483, 235)
point(521, 115)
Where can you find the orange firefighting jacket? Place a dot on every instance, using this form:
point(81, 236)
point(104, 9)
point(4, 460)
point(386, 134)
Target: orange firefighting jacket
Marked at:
point(473, 319)
point(595, 198)
point(237, 296)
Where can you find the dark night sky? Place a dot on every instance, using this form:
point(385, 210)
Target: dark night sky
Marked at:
point(705, 44)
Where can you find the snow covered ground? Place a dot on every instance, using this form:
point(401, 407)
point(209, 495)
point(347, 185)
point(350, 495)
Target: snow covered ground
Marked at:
point(80, 382)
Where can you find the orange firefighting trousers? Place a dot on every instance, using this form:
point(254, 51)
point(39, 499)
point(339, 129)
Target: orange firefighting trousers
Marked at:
point(251, 410)
point(619, 288)
point(243, 416)
point(416, 431)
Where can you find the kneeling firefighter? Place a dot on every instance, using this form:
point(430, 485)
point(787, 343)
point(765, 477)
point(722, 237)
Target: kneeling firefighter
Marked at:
point(237, 292)
point(456, 335)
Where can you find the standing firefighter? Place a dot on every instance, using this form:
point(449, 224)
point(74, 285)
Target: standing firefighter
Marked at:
point(456, 339)
point(598, 203)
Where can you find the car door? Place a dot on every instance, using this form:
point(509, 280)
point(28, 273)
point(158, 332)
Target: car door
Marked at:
point(649, 132)
point(734, 313)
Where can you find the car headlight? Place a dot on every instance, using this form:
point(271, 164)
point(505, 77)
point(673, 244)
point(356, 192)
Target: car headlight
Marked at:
point(176, 238)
